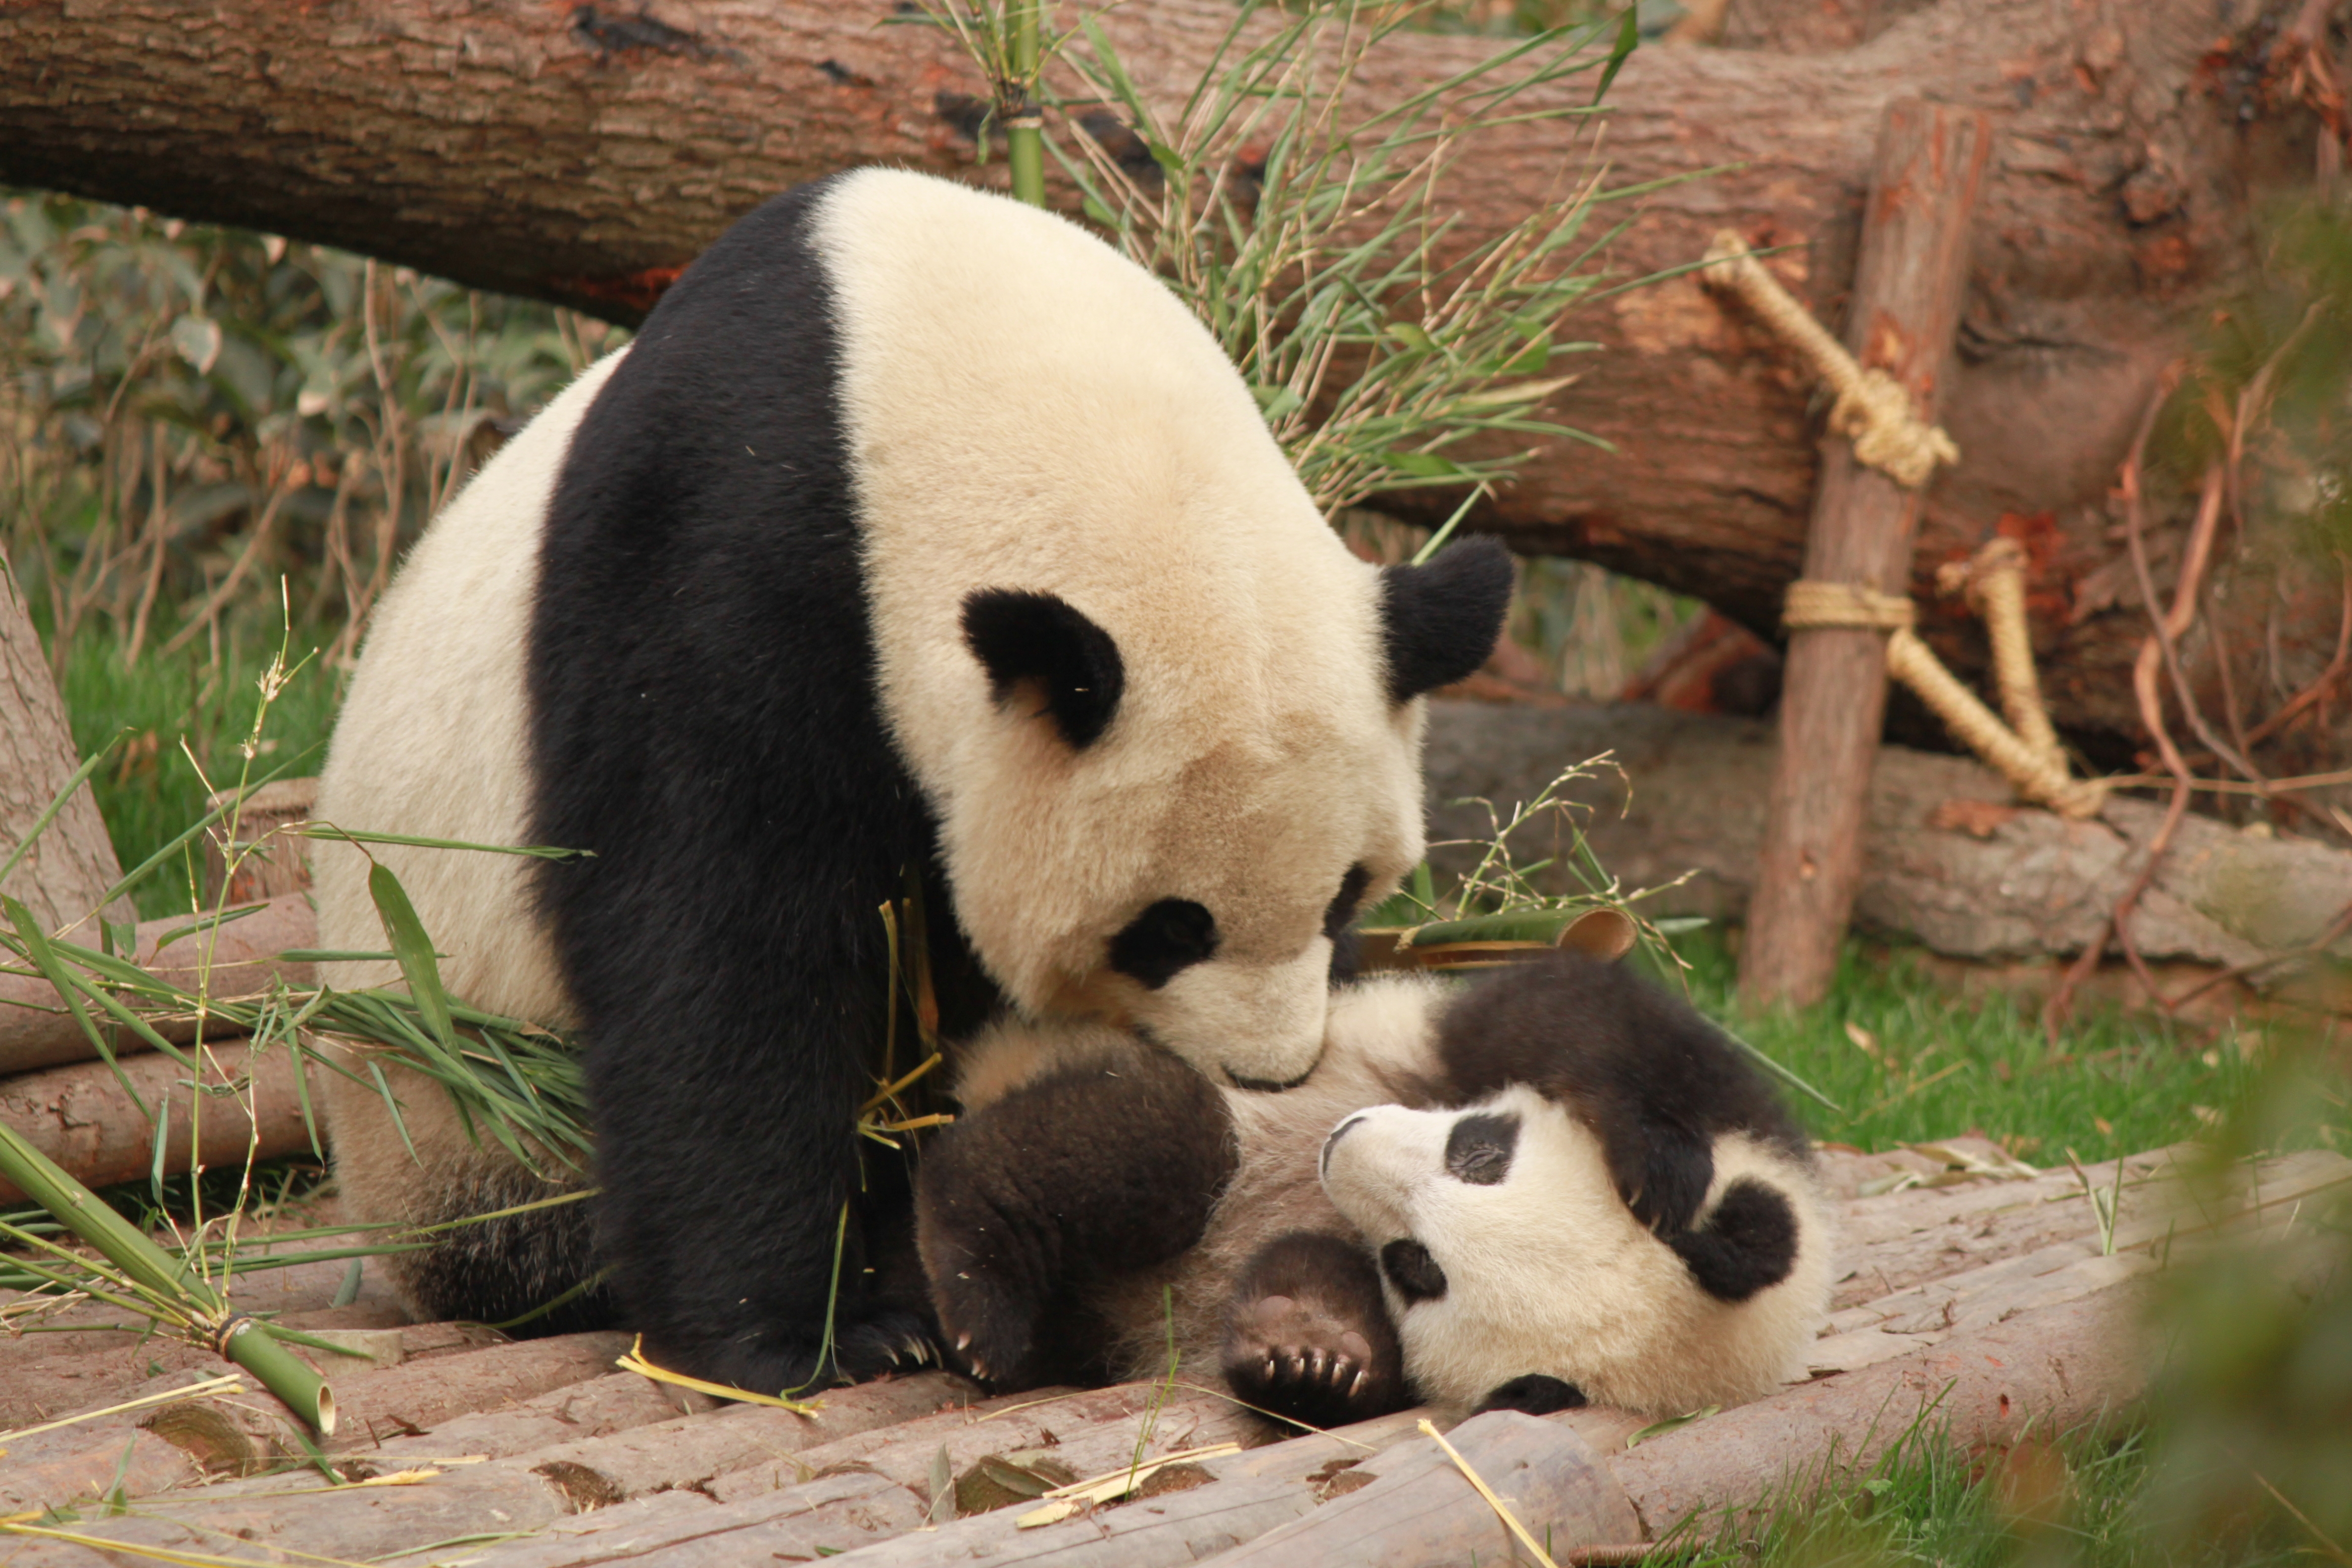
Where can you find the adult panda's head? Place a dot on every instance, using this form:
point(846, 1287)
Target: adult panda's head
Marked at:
point(1168, 726)
point(1518, 1276)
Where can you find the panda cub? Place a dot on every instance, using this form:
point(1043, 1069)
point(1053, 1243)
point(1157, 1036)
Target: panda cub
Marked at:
point(1556, 1186)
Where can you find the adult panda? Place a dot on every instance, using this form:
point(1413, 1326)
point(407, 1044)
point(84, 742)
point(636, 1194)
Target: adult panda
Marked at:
point(1556, 1187)
point(917, 535)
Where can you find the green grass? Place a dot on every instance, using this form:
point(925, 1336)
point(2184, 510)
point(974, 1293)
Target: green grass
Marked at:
point(2084, 1500)
point(148, 789)
point(1944, 1064)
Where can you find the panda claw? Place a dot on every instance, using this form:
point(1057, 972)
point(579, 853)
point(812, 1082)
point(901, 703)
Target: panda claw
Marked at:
point(1358, 1386)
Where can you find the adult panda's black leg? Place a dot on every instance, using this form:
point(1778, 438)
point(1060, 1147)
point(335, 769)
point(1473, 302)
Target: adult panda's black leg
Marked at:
point(1085, 1174)
point(1307, 1334)
point(704, 721)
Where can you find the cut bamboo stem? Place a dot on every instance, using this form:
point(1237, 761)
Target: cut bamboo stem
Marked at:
point(182, 1301)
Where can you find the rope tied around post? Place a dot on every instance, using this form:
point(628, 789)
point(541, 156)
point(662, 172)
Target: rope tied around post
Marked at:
point(2025, 751)
point(1872, 409)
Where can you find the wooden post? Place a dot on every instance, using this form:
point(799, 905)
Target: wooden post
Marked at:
point(1906, 302)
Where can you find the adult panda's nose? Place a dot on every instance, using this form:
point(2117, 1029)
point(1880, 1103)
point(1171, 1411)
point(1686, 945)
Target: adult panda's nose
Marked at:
point(1323, 1166)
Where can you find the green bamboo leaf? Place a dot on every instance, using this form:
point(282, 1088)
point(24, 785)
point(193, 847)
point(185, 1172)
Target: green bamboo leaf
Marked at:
point(410, 946)
point(1424, 465)
point(1629, 39)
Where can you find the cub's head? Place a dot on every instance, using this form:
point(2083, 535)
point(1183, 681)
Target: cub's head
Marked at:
point(1170, 811)
point(1509, 1259)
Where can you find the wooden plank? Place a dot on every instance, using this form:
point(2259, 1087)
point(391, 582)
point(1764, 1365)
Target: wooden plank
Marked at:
point(2054, 1367)
point(1422, 1513)
point(1909, 288)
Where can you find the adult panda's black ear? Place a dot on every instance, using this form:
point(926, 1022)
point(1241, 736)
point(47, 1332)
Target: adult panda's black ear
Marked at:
point(1440, 620)
point(1037, 637)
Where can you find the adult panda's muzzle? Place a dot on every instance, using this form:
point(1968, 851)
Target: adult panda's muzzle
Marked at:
point(1256, 1026)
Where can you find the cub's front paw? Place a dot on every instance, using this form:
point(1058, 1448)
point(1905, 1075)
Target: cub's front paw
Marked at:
point(1296, 1358)
point(990, 1331)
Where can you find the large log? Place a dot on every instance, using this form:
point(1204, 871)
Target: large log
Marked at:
point(585, 152)
point(2034, 885)
point(235, 958)
point(85, 1118)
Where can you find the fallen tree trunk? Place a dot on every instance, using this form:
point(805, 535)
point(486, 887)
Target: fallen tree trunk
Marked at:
point(584, 154)
point(2031, 886)
point(85, 1117)
point(234, 958)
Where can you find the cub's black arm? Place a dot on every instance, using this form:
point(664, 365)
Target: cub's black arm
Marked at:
point(1086, 1174)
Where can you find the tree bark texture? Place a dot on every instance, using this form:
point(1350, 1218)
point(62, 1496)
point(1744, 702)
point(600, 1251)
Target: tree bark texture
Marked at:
point(72, 866)
point(1908, 291)
point(1946, 860)
point(585, 152)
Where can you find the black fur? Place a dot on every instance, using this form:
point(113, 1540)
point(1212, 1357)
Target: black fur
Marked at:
point(1534, 1394)
point(1039, 638)
point(496, 1270)
point(1085, 1174)
point(1441, 619)
point(703, 718)
point(1479, 1149)
point(1309, 1336)
point(1340, 924)
point(1653, 1078)
point(1748, 1243)
point(1411, 1269)
point(1163, 941)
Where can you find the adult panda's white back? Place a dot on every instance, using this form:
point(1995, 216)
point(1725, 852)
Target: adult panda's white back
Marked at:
point(432, 742)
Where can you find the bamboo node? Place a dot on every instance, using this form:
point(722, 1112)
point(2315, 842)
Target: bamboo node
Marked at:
point(1873, 410)
point(1810, 604)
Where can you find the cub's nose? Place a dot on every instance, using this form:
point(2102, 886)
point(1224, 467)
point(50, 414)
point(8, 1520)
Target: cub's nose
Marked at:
point(1324, 1164)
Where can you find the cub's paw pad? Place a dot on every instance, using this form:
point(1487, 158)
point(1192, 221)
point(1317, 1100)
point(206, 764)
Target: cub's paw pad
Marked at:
point(1291, 1357)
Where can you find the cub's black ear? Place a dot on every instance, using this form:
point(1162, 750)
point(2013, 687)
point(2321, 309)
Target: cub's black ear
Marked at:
point(1440, 621)
point(1534, 1394)
point(1037, 637)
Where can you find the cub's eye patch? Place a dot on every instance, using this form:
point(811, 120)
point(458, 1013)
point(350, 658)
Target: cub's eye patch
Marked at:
point(1171, 936)
point(1343, 909)
point(1413, 1272)
point(1479, 1149)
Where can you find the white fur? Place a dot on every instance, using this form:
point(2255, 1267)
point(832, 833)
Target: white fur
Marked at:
point(1548, 1272)
point(431, 743)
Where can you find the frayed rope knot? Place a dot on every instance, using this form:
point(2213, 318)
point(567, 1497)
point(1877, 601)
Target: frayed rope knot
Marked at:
point(2025, 751)
point(1873, 410)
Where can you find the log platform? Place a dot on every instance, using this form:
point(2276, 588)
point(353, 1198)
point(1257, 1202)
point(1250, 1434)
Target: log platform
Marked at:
point(1998, 1296)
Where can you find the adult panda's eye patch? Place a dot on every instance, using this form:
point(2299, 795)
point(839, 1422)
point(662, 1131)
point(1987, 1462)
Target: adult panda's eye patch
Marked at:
point(1342, 911)
point(1170, 937)
point(1479, 1149)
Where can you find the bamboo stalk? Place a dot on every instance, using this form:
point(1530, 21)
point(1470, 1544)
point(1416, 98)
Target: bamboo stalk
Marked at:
point(179, 1299)
point(1024, 126)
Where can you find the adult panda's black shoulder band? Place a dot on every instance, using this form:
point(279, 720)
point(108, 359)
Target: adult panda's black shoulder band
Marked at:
point(1020, 636)
point(1439, 620)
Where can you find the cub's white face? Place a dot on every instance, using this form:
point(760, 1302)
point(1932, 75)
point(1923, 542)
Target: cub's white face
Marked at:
point(1505, 1251)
